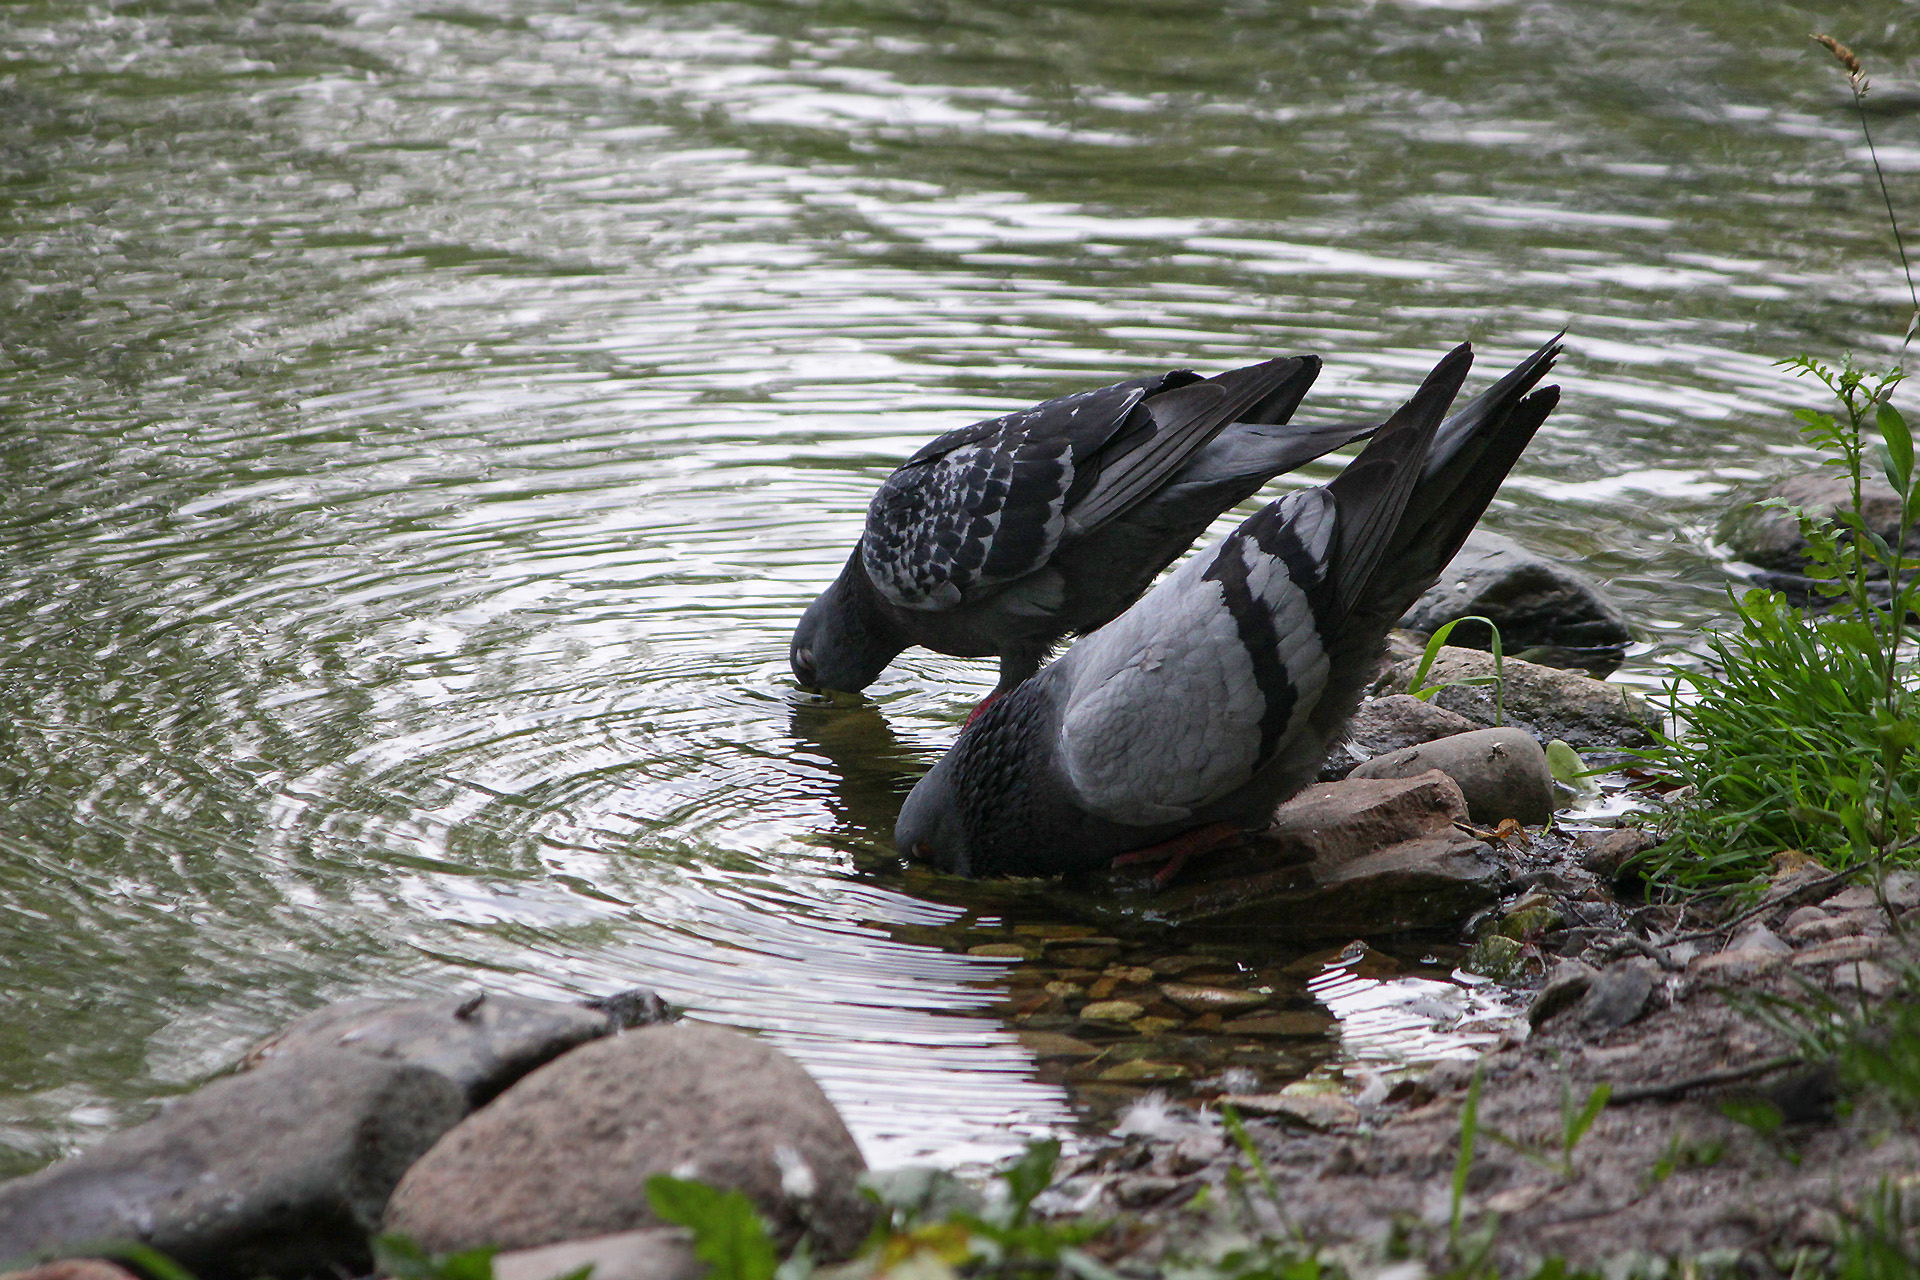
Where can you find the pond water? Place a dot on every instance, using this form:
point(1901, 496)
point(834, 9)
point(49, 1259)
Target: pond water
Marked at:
point(425, 420)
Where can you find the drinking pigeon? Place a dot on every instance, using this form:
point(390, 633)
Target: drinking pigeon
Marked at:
point(1183, 722)
point(1003, 537)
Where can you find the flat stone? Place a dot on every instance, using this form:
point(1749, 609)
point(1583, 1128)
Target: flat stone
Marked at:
point(1586, 713)
point(1306, 1111)
point(1289, 1024)
point(565, 1154)
point(1211, 999)
point(1052, 1044)
point(1534, 600)
point(1141, 1070)
point(1112, 1011)
point(1001, 951)
point(482, 1043)
point(1502, 773)
point(1826, 928)
point(1839, 951)
point(1854, 897)
point(281, 1171)
point(657, 1253)
point(1728, 965)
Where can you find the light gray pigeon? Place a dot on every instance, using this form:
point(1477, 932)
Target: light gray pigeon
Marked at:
point(1003, 537)
point(1184, 722)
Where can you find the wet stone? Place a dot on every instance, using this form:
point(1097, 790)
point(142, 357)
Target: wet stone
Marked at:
point(1082, 957)
point(1051, 1044)
point(1112, 1011)
point(1143, 1071)
point(1284, 1024)
point(1223, 1000)
point(281, 1170)
point(1305, 1110)
point(482, 1043)
point(1564, 987)
point(1001, 950)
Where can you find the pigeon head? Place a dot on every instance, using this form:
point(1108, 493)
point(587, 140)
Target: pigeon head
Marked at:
point(930, 829)
point(844, 640)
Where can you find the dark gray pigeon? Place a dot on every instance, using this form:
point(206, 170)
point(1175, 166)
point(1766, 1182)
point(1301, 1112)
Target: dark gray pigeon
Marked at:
point(1003, 537)
point(1184, 721)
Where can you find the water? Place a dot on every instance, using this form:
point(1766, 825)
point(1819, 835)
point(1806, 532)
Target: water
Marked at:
point(424, 423)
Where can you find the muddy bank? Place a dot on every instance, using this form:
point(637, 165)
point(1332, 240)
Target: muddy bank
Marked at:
point(1722, 1142)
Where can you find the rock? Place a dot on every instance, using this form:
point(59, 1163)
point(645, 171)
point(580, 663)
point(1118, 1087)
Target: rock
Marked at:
point(1112, 1011)
point(1496, 956)
point(1287, 1024)
point(1382, 725)
point(1769, 537)
point(1839, 951)
point(1855, 897)
point(566, 1153)
point(1736, 963)
point(73, 1269)
point(1588, 714)
point(1757, 937)
point(1617, 995)
point(1867, 977)
point(1605, 852)
point(1342, 860)
point(1502, 773)
point(482, 1043)
point(1536, 602)
point(658, 1253)
point(1051, 1044)
point(1337, 822)
point(1211, 999)
point(1800, 917)
point(637, 1007)
point(281, 1171)
point(1826, 928)
point(1305, 1110)
point(1564, 987)
point(1141, 1071)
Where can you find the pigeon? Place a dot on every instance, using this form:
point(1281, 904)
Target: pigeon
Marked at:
point(1004, 537)
point(1181, 724)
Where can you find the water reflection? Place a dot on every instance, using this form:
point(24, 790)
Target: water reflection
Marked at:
point(423, 424)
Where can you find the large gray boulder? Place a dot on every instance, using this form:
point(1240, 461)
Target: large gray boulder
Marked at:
point(482, 1043)
point(1589, 714)
point(1503, 773)
point(283, 1171)
point(1535, 601)
point(565, 1154)
point(1769, 537)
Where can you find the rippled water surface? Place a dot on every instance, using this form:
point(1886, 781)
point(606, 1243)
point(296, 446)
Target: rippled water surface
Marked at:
point(425, 421)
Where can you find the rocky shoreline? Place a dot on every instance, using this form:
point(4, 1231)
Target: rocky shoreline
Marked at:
point(534, 1127)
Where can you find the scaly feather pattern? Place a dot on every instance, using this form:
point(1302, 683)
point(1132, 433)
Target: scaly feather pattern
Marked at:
point(1216, 695)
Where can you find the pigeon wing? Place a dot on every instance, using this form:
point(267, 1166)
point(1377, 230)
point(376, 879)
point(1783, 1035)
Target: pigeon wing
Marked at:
point(1178, 701)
